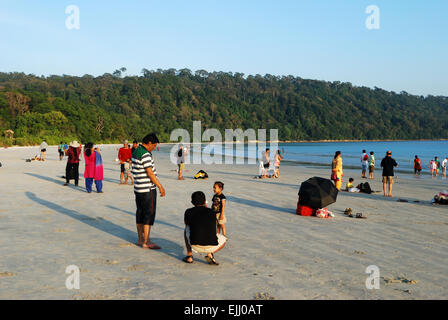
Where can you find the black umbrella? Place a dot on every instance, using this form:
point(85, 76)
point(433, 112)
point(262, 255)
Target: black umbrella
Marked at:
point(317, 193)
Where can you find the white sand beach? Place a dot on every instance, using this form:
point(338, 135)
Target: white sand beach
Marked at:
point(271, 252)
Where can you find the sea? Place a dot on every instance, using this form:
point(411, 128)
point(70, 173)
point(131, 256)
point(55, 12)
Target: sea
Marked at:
point(321, 153)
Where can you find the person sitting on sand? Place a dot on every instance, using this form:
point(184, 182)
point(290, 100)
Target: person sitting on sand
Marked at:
point(350, 187)
point(200, 230)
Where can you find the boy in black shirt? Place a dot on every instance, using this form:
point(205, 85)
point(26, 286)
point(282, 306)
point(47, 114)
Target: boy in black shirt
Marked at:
point(200, 230)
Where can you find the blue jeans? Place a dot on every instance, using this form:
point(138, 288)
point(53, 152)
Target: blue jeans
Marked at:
point(98, 184)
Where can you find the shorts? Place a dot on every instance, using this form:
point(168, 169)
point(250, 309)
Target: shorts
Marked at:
point(206, 249)
point(43, 150)
point(277, 167)
point(371, 169)
point(122, 168)
point(61, 153)
point(364, 167)
point(266, 165)
point(224, 220)
point(417, 170)
point(146, 207)
point(388, 179)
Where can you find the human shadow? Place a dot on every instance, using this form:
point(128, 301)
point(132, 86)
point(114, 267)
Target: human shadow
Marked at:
point(58, 182)
point(379, 196)
point(133, 214)
point(168, 247)
point(262, 205)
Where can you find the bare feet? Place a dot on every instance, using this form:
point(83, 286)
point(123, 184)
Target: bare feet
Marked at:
point(151, 245)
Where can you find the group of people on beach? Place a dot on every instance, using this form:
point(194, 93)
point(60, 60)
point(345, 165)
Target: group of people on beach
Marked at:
point(435, 166)
point(205, 228)
point(387, 163)
point(266, 170)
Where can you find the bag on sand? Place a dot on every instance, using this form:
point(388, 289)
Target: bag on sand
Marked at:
point(201, 175)
point(305, 210)
point(365, 188)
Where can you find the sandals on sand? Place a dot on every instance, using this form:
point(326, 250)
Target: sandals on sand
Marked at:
point(348, 212)
point(185, 259)
point(212, 260)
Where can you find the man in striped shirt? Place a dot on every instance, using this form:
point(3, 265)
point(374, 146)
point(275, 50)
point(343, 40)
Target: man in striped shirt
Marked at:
point(145, 184)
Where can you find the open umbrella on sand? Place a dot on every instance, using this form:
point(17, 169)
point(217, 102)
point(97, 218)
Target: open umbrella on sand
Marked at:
point(317, 193)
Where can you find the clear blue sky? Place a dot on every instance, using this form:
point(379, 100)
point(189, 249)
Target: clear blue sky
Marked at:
point(318, 39)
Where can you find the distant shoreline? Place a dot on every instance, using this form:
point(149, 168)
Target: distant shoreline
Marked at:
point(257, 141)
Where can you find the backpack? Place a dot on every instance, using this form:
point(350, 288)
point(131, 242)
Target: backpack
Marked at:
point(365, 188)
point(201, 175)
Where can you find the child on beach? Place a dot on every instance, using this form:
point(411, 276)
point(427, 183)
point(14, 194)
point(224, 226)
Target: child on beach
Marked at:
point(127, 173)
point(350, 186)
point(218, 207)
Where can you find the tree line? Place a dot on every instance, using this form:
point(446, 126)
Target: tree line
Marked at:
point(112, 107)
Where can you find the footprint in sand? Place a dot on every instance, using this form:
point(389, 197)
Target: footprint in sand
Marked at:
point(6, 274)
point(107, 261)
point(264, 296)
point(126, 245)
point(136, 267)
point(61, 230)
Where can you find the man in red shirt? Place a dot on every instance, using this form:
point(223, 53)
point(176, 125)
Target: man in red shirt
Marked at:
point(124, 155)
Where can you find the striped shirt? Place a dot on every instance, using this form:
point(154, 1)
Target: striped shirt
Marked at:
point(141, 160)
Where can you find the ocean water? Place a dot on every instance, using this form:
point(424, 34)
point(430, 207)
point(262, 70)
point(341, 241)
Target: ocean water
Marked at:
point(321, 153)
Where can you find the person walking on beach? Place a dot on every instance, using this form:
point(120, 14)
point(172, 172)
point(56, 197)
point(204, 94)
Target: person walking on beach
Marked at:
point(145, 184)
point(93, 168)
point(371, 164)
point(61, 150)
point(219, 206)
point(180, 162)
point(336, 170)
point(388, 164)
point(266, 163)
point(124, 155)
point(417, 166)
point(444, 163)
point(200, 230)
point(278, 157)
point(434, 167)
point(364, 163)
point(43, 151)
point(72, 169)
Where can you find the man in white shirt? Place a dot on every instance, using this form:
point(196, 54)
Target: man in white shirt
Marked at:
point(444, 162)
point(364, 163)
point(43, 151)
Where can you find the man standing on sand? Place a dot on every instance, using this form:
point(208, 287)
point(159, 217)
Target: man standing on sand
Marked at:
point(388, 163)
point(124, 155)
point(180, 162)
point(444, 162)
point(145, 184)
point(43, 151)
point(364, 163)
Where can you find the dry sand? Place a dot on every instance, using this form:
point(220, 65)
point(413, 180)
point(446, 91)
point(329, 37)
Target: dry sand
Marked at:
point(271, 253)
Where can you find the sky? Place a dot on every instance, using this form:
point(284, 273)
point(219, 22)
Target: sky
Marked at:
point(319, 39)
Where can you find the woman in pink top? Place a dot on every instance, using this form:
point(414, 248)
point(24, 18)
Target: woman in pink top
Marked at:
point(93, 169)
point(277, 159)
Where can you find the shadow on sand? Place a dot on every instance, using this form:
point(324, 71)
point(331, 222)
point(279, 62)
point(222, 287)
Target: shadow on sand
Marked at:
point(133, 214)
point(58, 182)
point(168, 247)
point(257, 204)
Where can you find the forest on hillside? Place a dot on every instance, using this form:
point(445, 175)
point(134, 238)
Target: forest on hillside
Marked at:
point(111, 107)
